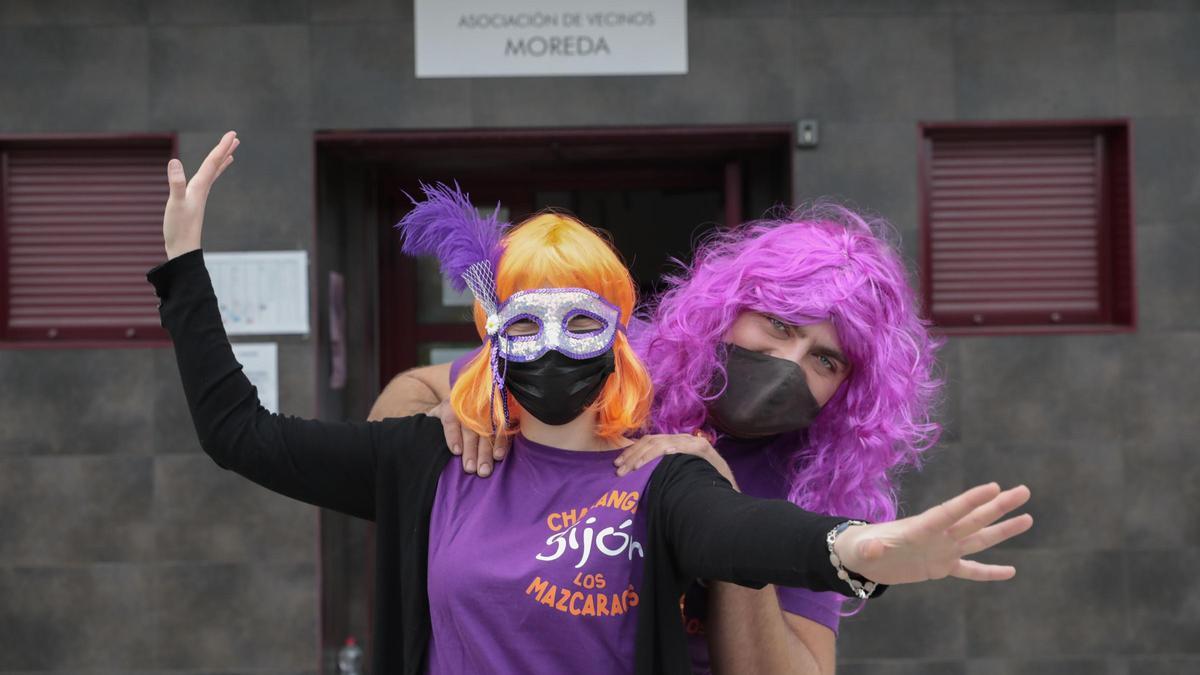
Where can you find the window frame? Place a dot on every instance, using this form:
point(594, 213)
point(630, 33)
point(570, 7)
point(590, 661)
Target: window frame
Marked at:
point(1115, 219)
point(81, 337)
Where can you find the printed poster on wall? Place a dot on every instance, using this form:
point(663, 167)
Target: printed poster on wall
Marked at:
point(261, 292)
point(522, 38)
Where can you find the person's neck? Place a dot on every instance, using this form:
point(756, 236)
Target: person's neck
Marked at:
point(579, 434)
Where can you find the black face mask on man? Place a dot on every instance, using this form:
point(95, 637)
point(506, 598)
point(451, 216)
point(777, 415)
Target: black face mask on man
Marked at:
point(556, 388)
point(764, 396)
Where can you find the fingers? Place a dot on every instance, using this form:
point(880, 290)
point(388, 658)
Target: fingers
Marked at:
point(176, 179)
point(224, 165)
point(476, 452)
point(630, 455)
point(452, 429)
point(470, 450)
point(207, 172)
point(946, 514)
point(484, 457)
point(643, 450)
point(977, 571)
point(636, 459)
point(649, 448)
point(228, 160)
point(500, 447)
point(990, 512)
point(990, 536)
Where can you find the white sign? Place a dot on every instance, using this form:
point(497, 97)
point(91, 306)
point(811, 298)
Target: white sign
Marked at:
point(515, 38)
point(261, 292)
point(260, 363)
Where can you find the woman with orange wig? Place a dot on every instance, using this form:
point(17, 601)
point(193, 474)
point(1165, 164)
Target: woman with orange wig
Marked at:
point(550, 251)
point(583, 569)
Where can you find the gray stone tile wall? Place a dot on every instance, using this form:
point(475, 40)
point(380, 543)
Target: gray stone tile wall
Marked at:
point(123, 549)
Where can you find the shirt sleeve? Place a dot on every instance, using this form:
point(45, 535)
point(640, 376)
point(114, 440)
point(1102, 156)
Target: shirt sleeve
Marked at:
point(332, 465)
point(716, 532)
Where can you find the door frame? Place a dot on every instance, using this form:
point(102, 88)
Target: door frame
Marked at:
point(725, 150)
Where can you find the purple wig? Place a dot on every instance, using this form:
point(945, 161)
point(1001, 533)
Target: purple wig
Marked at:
point(815, 264)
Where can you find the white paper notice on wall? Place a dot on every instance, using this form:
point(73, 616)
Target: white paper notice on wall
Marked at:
point(261, 292)
point(260, 363)
point(521, 38)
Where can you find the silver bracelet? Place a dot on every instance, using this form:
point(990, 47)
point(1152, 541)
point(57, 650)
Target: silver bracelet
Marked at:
point(862, 590)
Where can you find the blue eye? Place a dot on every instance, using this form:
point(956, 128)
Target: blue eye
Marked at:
point(778, 325)
point(827, 362)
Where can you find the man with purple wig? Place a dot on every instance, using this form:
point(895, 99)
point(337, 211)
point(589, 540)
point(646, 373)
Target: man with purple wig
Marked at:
point(794, 346)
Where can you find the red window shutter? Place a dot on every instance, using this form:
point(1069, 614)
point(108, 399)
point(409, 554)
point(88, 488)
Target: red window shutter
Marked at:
point(82, 225)
point(1019, 227)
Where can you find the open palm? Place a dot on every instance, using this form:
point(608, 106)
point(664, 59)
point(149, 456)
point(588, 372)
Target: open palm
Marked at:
point(933, 544)
point(183, 219)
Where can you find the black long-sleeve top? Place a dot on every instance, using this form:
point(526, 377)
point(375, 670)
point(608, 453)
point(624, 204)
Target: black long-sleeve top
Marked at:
point(697, 525)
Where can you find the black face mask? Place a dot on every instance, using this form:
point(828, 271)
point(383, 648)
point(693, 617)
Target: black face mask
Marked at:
point(765, 396)
point(556, 388)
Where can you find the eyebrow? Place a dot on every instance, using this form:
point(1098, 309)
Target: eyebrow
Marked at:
point(833, 354)
point(823, 351)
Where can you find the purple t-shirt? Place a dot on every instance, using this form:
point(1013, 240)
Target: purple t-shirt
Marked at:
point(760, 469)
point(537, 569)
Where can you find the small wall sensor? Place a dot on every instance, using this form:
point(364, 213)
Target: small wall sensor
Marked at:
point(806, 134)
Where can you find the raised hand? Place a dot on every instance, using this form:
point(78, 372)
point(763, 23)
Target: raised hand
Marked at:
point(933, 544)
point(183, 219)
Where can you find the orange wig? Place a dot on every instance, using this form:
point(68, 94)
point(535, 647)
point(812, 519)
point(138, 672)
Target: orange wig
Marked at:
point(551, 250)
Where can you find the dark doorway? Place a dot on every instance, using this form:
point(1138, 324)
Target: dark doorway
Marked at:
point(655, 190)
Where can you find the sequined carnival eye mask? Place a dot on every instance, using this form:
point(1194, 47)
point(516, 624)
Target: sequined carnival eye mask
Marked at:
point(552, 309)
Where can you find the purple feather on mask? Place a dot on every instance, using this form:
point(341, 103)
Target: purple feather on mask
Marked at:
point(467, 245)
point(447, 226)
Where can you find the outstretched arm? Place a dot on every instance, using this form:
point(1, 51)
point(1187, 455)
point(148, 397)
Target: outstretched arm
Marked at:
point(715, 532)
point(748, 631)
